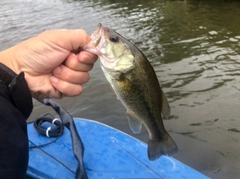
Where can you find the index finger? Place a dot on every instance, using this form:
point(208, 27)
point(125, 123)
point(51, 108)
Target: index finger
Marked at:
point(87, 57)
point(70, 40)
point(81, 62)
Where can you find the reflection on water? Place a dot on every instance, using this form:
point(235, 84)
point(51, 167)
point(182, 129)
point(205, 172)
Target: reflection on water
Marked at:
point(194, 48)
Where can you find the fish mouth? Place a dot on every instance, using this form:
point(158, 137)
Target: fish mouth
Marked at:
point(98, 42)
point(95, 44)
point(97, 32)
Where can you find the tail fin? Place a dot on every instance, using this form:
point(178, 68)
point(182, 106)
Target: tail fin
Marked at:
point(162, 146)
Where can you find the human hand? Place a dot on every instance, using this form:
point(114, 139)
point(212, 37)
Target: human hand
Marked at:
point(53, 63)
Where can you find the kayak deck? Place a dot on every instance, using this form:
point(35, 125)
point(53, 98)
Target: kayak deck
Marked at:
point(109, 153)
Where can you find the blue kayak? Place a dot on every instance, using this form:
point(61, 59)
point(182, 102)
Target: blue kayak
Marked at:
point(109, 154)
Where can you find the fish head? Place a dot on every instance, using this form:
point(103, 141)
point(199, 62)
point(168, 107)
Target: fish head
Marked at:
point(112, 49)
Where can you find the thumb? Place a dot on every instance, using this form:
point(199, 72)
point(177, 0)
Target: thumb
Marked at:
point(68, 39)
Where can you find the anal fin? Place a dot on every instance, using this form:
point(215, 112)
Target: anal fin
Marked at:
point(134, 124)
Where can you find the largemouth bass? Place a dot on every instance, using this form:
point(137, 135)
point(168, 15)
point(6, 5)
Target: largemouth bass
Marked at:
point(136, 85)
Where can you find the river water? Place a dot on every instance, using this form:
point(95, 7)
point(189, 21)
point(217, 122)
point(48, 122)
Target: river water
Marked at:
point(194, 47)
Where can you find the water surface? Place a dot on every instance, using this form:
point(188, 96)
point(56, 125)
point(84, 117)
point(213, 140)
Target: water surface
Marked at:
point(194, 49)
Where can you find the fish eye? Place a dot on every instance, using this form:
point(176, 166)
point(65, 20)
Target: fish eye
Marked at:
point(113, 38)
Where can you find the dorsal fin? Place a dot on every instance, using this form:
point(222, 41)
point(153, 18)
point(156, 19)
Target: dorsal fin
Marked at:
point(166, 111)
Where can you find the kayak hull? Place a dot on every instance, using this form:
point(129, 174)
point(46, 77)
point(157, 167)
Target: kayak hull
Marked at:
point(109, 153)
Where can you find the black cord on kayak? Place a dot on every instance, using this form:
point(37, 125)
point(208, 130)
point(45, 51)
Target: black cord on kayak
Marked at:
point(77, 144)
point(55, 130)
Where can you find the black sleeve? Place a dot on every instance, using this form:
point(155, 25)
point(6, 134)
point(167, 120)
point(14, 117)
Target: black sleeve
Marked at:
point(15, 108)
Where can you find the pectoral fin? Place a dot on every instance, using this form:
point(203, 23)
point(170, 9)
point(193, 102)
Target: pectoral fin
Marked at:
point(165, 106)
point(134, 124)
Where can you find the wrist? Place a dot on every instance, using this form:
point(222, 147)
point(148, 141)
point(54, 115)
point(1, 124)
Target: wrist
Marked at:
point(6, 58)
